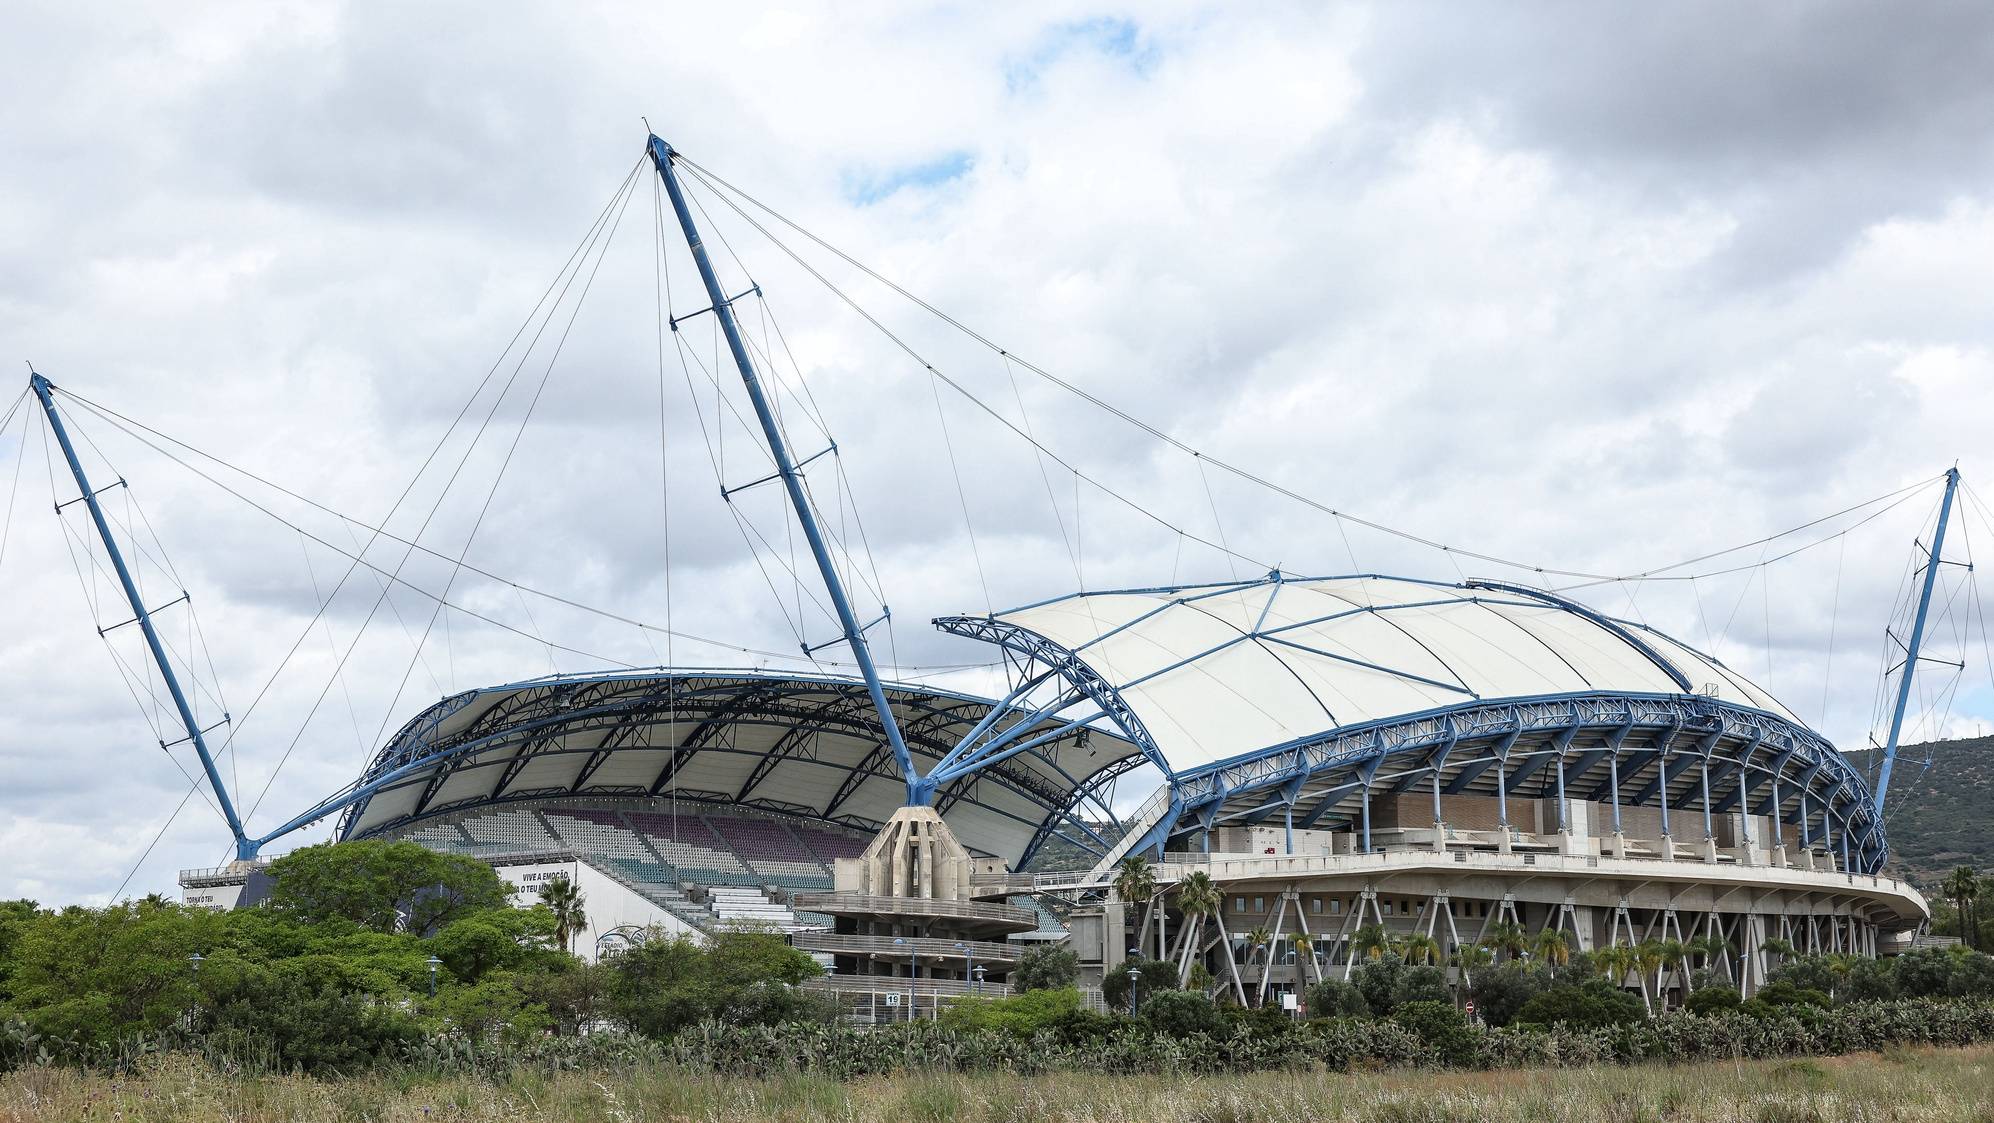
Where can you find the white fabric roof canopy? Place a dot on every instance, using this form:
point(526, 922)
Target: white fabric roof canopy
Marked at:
point(1220, 670)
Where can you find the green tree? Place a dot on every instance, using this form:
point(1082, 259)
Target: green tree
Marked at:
point(1198, 897)
point(385, 886)
point(14, 917)
point(1153, 976)
point(1181, 1013)
point(1421, 948)
point(1501, 991)
point(1592, 1004)
point(1508, 937)
point(1963, 886)
point(566, 902)
point(1370, 941)
point(1334, 998)
point(667, 983)
point(97, 975)
point(1135, 884)
point(1441, 1028)
point(498, 940)
point(1552, 948)
point(1046, 967)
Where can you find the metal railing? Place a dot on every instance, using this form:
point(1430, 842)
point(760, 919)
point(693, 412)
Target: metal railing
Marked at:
point(898, 948)
point(862, 903)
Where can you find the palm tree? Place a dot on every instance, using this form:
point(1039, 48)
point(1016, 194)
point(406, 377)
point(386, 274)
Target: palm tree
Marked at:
point(1371, 941)
point(1508, 936)
point(1135, 884)
point(1675, 956)
point(1257, 939)
point(1421, 948)
point(1616, 960)
point(1714, 949)
point(1552, 947)
point(1648, 962)
point(1471, 957)
point(1304, 953)
point(1963, 885)
point(565, 902)
point(1198, 897)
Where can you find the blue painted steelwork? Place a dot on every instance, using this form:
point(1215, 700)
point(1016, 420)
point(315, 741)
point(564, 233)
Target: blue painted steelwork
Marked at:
point(918, 793)
point(490, 736)
point(244, 847)
point(1636, 728)
point(1932, 563)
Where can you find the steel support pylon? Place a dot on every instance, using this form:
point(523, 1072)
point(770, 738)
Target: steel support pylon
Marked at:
point(918, 791)
point(1932, 563)
point(244, 847)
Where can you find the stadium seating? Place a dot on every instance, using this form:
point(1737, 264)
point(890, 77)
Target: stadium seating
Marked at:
point(739, 861)
point(772, 851)
point(508, 832)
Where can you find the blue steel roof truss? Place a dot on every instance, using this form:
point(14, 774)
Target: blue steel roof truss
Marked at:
point(562, 717)
point(1745, 750)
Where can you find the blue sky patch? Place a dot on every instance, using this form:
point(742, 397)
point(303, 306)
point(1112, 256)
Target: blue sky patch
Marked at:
point(871, 186)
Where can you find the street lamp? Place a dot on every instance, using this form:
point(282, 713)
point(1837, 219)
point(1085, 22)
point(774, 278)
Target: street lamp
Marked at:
point(969, 952)
point(195, 960)
point(433, 962)
point(1135, 978)
point(977, 981)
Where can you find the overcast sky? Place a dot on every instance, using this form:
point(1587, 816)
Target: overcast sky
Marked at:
point(1589, 287)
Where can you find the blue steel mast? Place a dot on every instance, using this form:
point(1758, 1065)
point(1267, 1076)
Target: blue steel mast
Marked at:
point(792, 480)
point(1917, 639)
point(244, 848)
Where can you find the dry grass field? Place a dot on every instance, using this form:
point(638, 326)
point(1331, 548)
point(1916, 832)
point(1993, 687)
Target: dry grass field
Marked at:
point(1908, 1084)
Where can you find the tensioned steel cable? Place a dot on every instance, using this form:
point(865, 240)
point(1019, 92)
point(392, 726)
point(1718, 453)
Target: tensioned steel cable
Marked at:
point(713, 181)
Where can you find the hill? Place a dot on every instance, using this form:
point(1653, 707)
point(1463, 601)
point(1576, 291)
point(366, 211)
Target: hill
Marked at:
point(1943, 816)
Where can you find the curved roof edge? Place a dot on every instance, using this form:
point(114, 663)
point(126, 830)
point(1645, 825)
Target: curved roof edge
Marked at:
point(808, 745)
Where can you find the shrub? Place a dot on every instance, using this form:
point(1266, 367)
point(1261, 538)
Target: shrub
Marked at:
point(1713, 1000)
point(1020, 1015)
point(1154, 977)
point(1046, 967)
point(1501, 991)
point(1421, 984)
point(1180, 1014)
point(1441, 1028)
point(1376, 980)
point(1596, 1004)
point(1335, 998)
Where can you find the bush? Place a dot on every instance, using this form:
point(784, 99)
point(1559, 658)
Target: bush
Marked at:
point(1713, 1000)
point(1180, 1014)
point(1155, 976)
point(1020, 1015)
point(1501, 991)
point(1595, 1004)
point(1334, 998)
point(1046, 967)
point(1376, 980)
point(1421, 984)
point(1441, 1028)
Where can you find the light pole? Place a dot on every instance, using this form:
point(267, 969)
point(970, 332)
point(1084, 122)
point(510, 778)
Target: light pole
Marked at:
point(433, 962)
point(977, 980)
point(969, 952)
point(1135, 977)
point(195, 960)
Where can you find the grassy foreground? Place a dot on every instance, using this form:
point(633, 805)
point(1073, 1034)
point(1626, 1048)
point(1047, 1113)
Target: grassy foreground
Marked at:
point(1902, 1084)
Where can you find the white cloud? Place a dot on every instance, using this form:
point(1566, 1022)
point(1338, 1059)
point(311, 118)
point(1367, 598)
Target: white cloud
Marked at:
point(1497, 281)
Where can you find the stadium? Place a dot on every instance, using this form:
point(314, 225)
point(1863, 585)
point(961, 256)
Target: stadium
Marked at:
point(1436, 759)
point(1330, 762)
